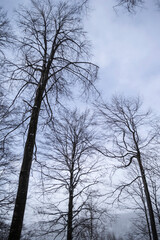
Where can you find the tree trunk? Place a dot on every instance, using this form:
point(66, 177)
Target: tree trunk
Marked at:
point(148, 198)
point(71, 191)
point(147, 219)
point(17, 219)
point(91, 224)
point(70, 215)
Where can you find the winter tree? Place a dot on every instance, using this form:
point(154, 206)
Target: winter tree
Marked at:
point(53, 56)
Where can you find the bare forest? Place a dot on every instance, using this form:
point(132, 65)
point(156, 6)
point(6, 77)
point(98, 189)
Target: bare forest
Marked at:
point(75, 164)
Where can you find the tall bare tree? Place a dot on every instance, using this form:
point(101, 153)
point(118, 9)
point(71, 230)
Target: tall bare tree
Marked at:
point(69, 164)
point(129, 128)
point(54, 57)
point(137, 203)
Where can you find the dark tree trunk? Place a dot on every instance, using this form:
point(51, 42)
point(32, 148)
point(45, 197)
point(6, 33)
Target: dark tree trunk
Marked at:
point(91, 224)
point(20, 203)
point(147, 219)
point(148, 198)
point(71, 191)
point(147, 194)
point(70, 215)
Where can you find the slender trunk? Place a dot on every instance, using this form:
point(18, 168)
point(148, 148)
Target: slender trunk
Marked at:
point(20, 203)
point(148, 198)
point(91, 224)
point(71, 191)
point(70, 215)
point(70, 203)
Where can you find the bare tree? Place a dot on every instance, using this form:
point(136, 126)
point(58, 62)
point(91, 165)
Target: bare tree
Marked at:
point(136, 193)
point(91, 222)
point(4, 228)
point(153, 180)
point(111, 236)
point(129, 4)
point(68, 164)
point(5, 31)
point(7, 157)
point(54, 57)
point(130, 130)
point(6, 35)
point(132, 5)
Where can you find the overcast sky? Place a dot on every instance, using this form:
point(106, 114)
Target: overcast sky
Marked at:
point(126, 47)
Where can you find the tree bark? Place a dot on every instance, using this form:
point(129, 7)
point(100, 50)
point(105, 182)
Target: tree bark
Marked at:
point(20, 203)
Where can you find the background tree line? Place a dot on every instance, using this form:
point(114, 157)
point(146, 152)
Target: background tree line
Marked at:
point(67, 152)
